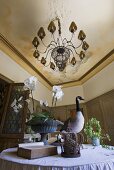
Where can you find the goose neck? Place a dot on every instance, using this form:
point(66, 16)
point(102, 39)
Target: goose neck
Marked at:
point(77, 105)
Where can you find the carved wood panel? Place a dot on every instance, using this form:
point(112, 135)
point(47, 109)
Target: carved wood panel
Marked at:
point(12, 125)
point(3, 94)
point(94, 110)
point(102, 108)
point(15, 114)
point(107, 104)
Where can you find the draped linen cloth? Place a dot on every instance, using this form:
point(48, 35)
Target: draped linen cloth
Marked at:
point(92, 158)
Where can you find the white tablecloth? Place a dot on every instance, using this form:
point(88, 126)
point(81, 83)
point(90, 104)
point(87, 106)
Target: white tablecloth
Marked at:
point(97, 158)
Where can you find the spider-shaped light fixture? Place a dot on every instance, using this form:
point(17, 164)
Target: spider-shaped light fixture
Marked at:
point(60, 51)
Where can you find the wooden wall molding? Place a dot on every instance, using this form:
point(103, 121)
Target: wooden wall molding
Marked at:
point(6, 79)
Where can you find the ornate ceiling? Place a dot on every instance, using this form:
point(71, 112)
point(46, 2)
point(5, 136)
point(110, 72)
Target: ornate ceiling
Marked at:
point(21, 19)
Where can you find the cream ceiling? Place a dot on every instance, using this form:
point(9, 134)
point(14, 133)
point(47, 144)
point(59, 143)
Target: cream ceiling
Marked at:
point(21, 19)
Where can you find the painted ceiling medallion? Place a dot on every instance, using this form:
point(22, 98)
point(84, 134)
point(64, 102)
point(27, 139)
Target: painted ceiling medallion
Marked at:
point(60, 51)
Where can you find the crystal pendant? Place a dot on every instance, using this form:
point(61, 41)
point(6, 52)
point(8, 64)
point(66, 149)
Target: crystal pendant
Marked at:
point(51, 27)
point(72, 27)
point(41, 33)
point(81, 35)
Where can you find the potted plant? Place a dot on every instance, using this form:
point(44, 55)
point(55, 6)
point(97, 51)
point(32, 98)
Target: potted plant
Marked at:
point(44, 121)
point(93, 131)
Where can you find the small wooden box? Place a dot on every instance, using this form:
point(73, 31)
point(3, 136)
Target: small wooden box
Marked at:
point(31, 152)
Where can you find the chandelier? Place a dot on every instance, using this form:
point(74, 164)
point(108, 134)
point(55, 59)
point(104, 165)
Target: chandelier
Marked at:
point(59, 52)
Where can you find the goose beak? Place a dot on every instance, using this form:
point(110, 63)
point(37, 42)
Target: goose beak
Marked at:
point(82, 99)
point(79, 98)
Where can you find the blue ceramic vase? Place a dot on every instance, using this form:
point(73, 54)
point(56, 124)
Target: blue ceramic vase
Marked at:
point(95, 141)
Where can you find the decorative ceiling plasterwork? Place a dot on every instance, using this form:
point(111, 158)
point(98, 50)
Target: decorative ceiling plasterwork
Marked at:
point(12, 52)
point(20, 21)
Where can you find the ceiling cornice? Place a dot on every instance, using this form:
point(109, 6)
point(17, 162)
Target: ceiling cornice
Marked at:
point(13, 53)
point(6, 79)
point(93, 71)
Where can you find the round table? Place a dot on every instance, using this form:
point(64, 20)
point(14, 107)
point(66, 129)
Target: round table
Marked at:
point(92, 158)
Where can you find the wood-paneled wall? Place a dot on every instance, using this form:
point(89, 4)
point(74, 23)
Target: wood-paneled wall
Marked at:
point(102, 108)
point(64, 112)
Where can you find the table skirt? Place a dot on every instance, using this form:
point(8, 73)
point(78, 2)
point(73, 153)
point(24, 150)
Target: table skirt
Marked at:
point(91, 159)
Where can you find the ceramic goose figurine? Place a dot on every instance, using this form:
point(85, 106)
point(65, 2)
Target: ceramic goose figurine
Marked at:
point(76, 123)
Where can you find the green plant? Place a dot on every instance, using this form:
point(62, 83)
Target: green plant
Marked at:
point(40, 117)
point(93, 128)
